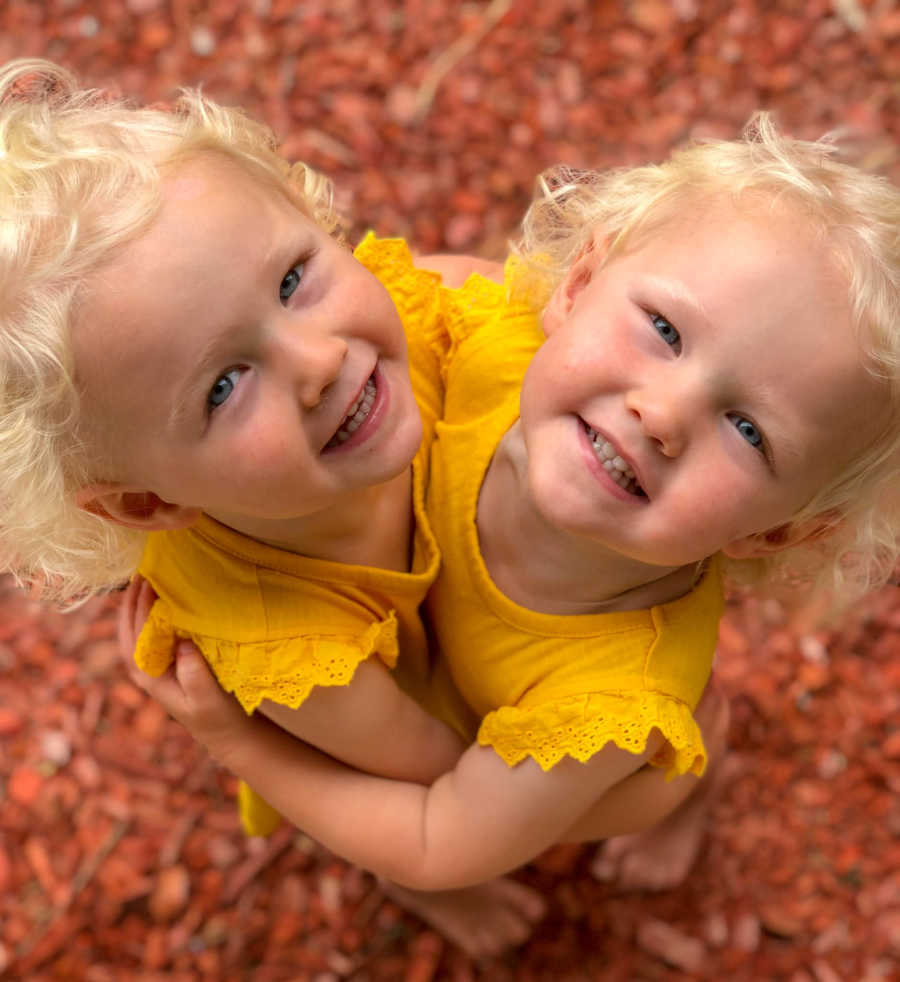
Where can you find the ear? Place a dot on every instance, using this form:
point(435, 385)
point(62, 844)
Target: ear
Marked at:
point(134, 508)
point(782, 537)
point(577, 278)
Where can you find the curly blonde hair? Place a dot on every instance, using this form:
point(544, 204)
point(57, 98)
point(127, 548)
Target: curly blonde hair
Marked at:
point(856, 213)
point(80, 176)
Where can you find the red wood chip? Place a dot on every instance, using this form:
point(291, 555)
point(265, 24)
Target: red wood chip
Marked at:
point(120, 852)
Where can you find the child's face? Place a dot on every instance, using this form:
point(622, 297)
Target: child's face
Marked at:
point(718, 362)
point(237, 359)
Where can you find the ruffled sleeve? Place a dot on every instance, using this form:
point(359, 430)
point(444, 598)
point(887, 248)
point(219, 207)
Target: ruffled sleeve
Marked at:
point(465, 310)
point(156, 642)
point(417, 295)
point(582, 725)
point(284, 670)
point(416, 292)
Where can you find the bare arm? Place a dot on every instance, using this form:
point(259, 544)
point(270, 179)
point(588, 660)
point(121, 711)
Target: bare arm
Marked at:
point(646, 798)
point(370, 723)
point(455, 270)
point(482, 819)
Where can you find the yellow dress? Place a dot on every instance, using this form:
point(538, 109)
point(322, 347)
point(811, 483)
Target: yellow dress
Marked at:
point(273, 624)
point(542, 685)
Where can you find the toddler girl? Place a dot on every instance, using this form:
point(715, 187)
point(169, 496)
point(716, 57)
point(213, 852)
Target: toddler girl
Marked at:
point(710, 390)
point(197, 375)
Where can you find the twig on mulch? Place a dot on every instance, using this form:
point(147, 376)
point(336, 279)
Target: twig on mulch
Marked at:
point(450, 57)
point(29, 955)
point(280, 840)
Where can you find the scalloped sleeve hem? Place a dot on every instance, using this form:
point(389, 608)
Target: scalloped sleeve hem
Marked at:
point(583, 725)
point(283, 670)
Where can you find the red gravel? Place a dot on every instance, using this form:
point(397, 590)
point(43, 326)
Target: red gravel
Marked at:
point(120, 856)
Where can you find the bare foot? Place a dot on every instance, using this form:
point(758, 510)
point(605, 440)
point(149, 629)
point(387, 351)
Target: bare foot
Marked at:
point(661, 857)
point(484, 920)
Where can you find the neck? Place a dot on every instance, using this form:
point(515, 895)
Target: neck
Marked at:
point(369, 527)
point(547, 569)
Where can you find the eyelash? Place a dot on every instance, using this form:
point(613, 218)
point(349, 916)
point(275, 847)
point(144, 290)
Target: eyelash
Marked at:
point(761, 446)
point(655, 319)
point(297, 266)
point(211, 406)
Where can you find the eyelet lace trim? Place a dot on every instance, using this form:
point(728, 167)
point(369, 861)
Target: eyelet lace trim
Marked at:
point(582, 725)
point(283, 670)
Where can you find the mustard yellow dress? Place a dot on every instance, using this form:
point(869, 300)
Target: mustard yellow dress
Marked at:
point(541, 685)
point(274, 624)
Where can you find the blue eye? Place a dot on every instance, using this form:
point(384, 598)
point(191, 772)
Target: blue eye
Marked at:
point(290, 282)
point(747, 430)
point(222, 388)
point(665, 330)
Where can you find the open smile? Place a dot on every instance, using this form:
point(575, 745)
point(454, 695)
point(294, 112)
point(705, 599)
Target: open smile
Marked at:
point(614, 465)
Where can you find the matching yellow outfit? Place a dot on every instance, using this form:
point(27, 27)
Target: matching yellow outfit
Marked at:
point(273, 624)
point(544, 685)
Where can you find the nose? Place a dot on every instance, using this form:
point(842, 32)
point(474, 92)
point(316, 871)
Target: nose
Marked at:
point(662, 413)
point(314, 359)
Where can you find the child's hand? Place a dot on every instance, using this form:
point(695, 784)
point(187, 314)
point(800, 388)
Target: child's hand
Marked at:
point(188, 690)
point(134, 610)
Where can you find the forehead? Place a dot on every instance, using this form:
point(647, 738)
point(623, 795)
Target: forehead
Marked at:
point(203, 195)
point(203, 171)
point(754, 268)
point(746, 241)
point(212, 212)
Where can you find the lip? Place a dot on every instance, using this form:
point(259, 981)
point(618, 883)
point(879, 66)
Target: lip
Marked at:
point(372, 422)
point(600, 472)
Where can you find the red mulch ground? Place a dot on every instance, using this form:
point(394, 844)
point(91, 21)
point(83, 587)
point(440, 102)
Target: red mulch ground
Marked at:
point(120, 856)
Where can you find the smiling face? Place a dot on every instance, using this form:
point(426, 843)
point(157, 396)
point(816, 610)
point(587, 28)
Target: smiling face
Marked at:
point(697, 389)
point(237, 359)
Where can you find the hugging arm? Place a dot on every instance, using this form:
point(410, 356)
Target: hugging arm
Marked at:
point(455, 269)
point(479, 820)
point(373, 725)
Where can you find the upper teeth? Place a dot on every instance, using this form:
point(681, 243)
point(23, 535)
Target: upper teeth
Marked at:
point(358, 412)
point(613, 464)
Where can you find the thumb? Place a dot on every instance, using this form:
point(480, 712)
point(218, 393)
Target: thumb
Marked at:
point(191, 669)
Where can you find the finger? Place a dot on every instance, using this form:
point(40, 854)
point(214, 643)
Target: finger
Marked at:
point(149, 682)
point(125, 619)
point(134, 609)
point(166, 690)
point(145, 600)
point(192, 671)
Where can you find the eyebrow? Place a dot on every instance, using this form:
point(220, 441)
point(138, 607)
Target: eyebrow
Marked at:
point(679, 294)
